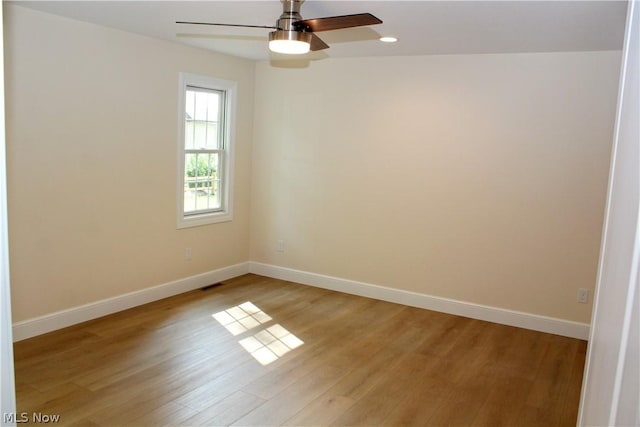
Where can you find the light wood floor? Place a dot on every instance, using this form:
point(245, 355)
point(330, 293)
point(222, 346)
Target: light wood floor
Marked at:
point(343, 360)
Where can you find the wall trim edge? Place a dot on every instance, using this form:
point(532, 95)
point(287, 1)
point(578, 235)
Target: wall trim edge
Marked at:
point(61, 319)
point(503, 316)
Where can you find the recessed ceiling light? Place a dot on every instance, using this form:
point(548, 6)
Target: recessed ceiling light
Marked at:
point(388, 39)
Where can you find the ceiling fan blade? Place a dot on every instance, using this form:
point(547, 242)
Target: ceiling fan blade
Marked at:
point(227, 25)
point(336, 22)
point(317, 43)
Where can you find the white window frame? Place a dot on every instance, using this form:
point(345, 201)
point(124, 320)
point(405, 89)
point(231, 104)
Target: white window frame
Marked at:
point(225, 213)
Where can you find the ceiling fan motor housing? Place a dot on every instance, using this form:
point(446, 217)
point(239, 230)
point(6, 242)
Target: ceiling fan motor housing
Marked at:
point(290, 35)
point(286, 31)
point(290, 14)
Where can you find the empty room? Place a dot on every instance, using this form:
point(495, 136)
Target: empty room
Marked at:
point(320, 213)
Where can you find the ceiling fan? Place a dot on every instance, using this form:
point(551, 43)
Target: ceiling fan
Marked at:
point(294, 35)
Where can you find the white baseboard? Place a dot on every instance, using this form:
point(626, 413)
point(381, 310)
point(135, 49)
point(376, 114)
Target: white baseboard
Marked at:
point(61, 319)
point(503, 316)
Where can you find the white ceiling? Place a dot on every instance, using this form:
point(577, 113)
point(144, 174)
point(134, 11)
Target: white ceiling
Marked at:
point(423, 27)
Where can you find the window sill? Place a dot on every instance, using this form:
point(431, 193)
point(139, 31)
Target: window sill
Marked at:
point(204, 219)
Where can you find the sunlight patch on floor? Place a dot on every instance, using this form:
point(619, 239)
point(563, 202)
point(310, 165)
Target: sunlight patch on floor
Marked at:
point(270, 344)
point(267, 345)
point(241, 318)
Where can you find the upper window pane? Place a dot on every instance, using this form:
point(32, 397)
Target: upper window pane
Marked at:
point(203, 119)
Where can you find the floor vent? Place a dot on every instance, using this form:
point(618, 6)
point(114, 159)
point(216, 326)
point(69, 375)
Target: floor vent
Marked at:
point(215, 285)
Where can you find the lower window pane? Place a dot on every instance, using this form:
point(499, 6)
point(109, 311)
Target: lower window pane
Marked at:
point(201, 182)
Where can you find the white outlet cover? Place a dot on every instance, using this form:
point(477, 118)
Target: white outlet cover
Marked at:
point(583, 295)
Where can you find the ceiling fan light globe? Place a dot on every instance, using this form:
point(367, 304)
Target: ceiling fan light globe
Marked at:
point(289, 42)
point(291, 47)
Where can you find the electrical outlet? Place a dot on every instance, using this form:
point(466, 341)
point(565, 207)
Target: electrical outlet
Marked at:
point(187, 254)
point(280, 246)
point(583, 295)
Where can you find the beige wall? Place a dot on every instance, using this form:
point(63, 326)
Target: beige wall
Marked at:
point(480, 178)
point(91, 145)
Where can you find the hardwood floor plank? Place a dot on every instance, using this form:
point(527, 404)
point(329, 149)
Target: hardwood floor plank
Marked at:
point(394, 363)
point(503, 403)
point(284, 405)
point(463, 401)
point(225, 411)
point(222, 386)
point(425, 392)
point(323, 411)
point(416, 408)
point(148, 414)
point(549, 390)
point(349, 361)
point(569, 410)
point(333, 349)
point(65, 400)
point(156, 386)
point(375, 405)
point(398, 378)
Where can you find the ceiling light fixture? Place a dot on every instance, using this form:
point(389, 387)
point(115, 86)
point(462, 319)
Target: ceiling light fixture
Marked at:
point(289, 42)
point(388, 39)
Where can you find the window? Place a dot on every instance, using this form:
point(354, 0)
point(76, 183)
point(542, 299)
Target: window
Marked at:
point(205, 147)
